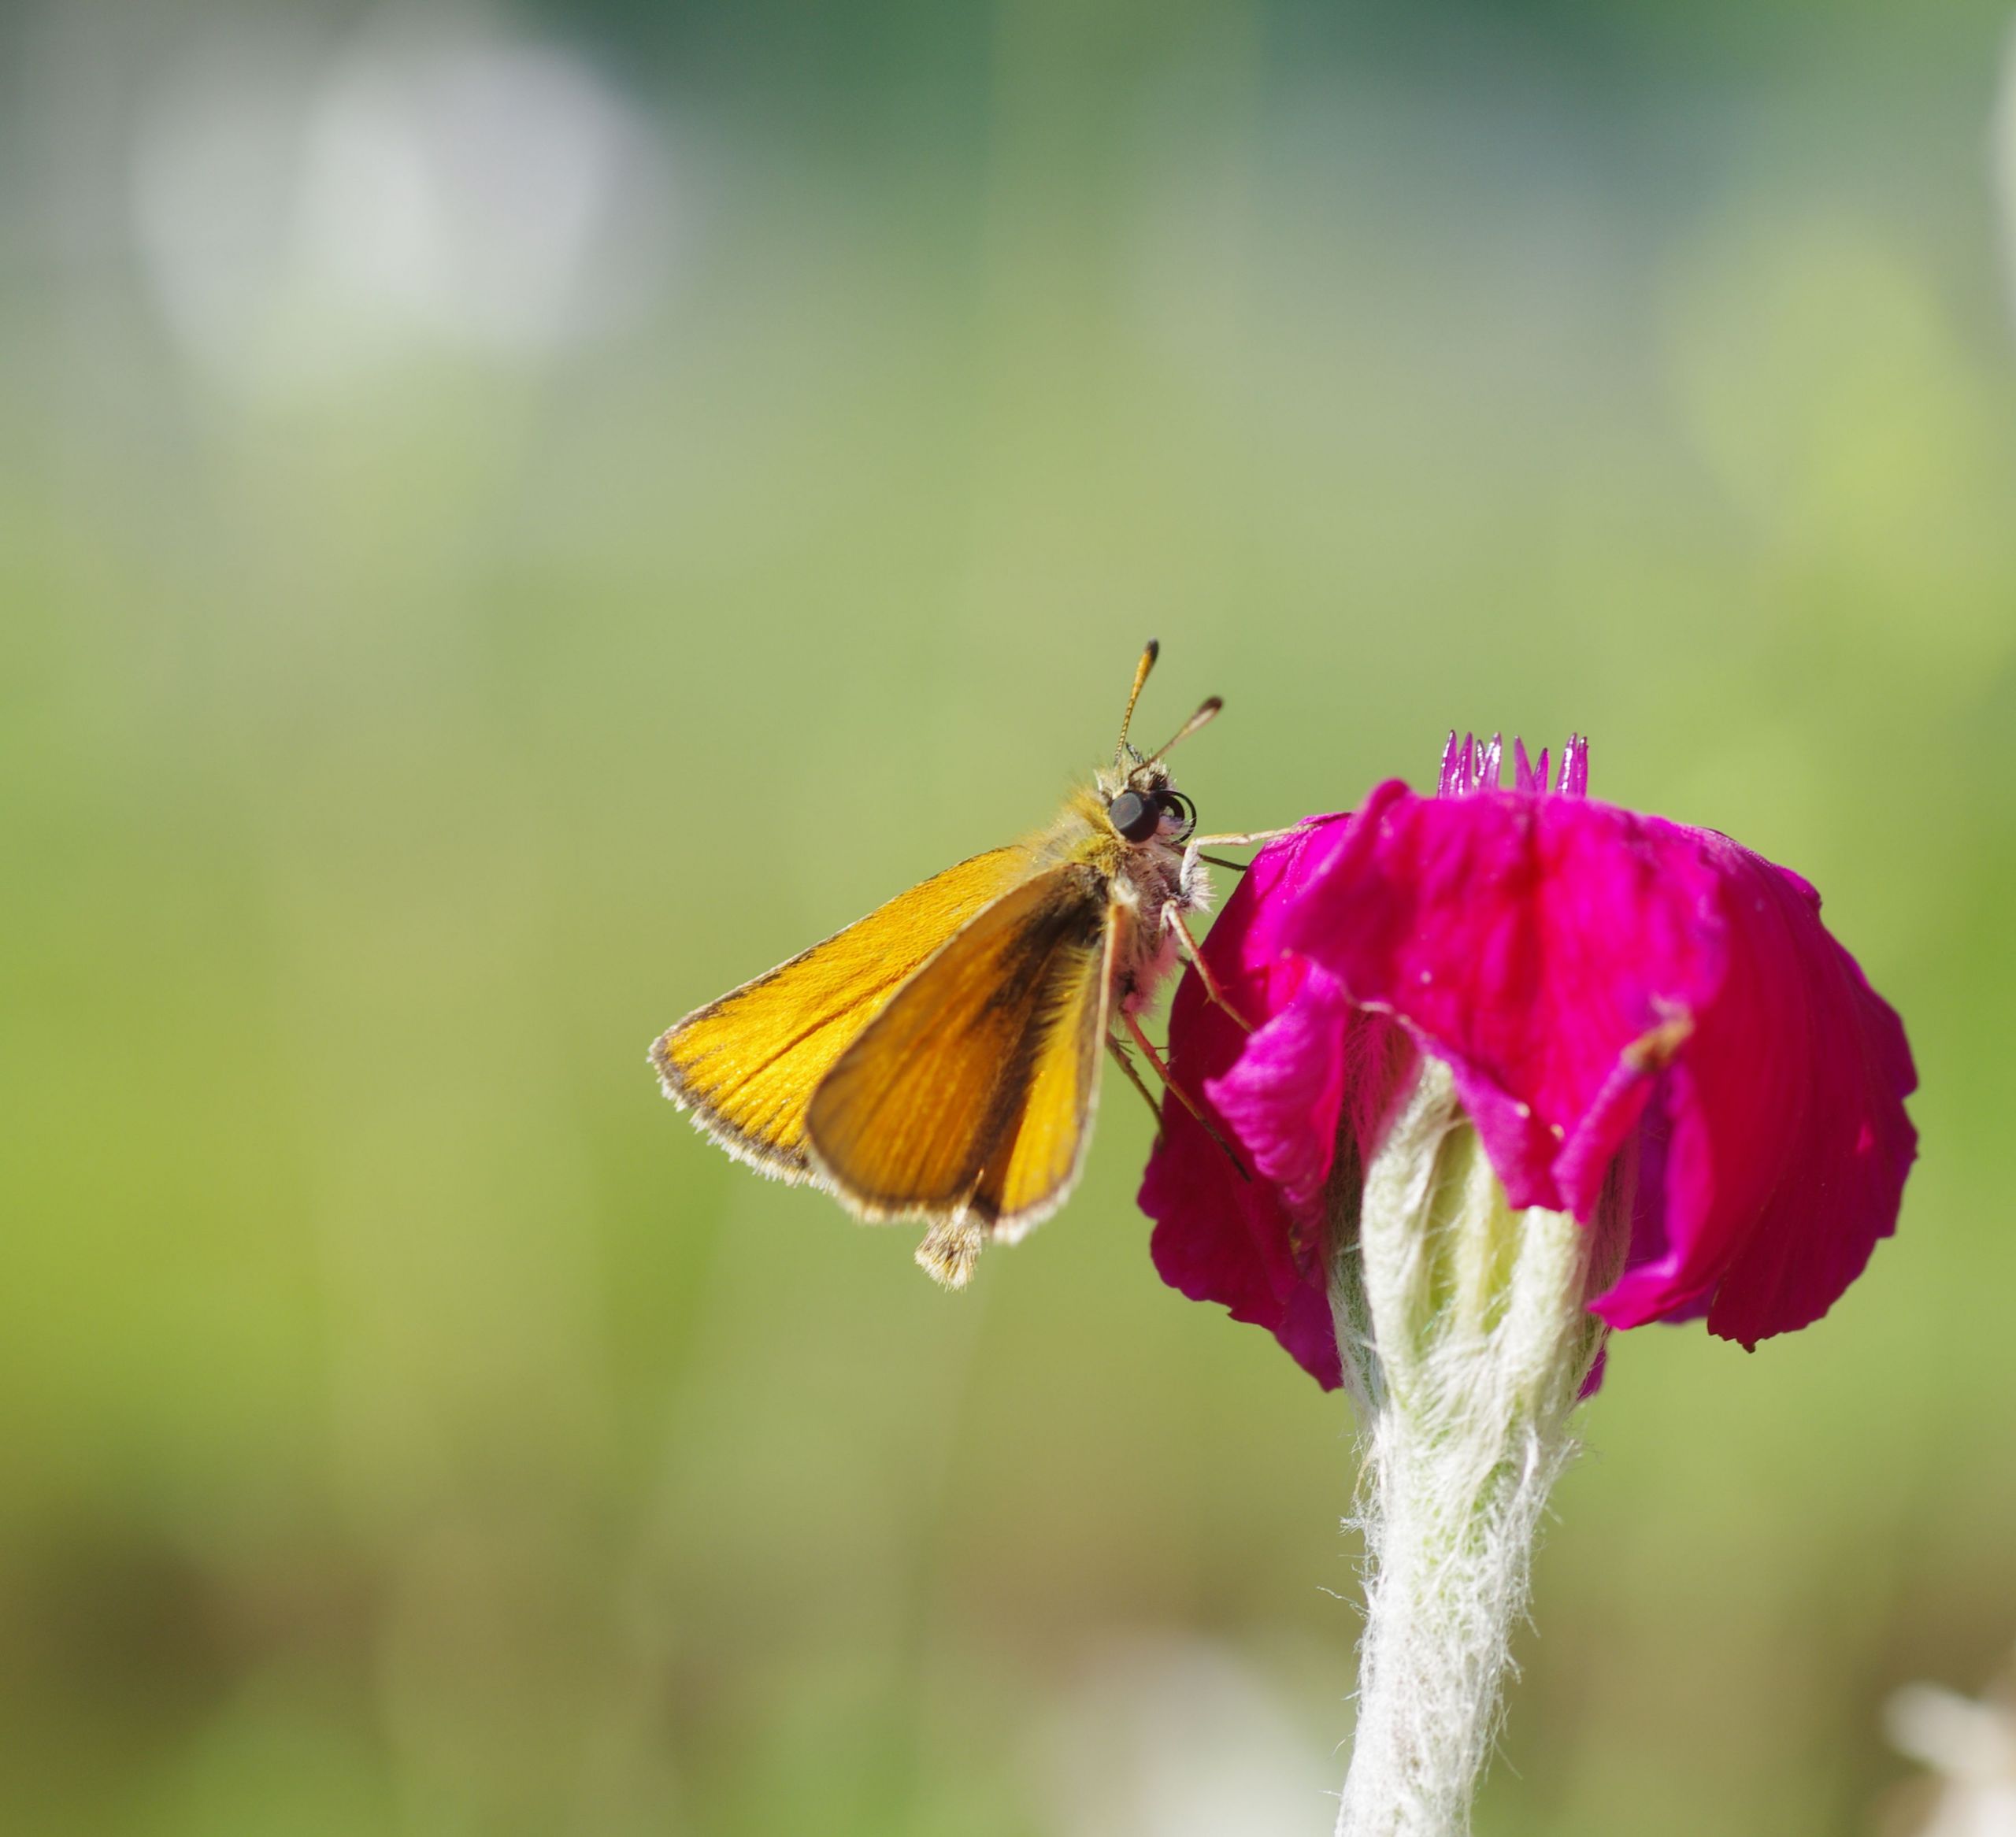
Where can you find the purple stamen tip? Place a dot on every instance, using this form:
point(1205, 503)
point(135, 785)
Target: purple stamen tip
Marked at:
point(1574, 767)
point(1470, 769)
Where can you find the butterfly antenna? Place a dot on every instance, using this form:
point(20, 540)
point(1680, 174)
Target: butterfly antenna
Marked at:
point(1150, 652)
point(1201, 718)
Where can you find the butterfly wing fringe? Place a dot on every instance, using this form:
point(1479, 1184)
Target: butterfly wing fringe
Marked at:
point(950, 1250)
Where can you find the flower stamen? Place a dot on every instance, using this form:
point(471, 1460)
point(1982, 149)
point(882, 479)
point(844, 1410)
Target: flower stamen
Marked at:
point(1471, 768)
point(1655, 1049)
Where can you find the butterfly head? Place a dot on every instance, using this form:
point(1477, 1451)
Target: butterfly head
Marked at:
point(1141, 803)
point(1142, 806)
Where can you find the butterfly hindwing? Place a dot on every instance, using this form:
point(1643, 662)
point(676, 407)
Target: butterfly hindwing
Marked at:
point(974, 1086)
point(1033, 1171)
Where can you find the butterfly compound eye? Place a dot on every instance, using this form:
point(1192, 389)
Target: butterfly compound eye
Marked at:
point(1176, 806)
point(1133, 816)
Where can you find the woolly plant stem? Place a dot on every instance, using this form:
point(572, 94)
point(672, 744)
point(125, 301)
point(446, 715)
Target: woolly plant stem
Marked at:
point(1465, 1342)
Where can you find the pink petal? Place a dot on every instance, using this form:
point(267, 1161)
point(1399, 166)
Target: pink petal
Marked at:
point(1790, 1144)
point(1282, 1097)
point(1220, 1236)
point(1582, 968)
point(1526, 941)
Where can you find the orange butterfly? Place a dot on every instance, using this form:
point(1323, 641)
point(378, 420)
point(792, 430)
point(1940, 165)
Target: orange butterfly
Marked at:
point(939, 1059)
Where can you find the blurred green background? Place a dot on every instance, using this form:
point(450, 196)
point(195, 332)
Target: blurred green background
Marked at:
point(513, 520)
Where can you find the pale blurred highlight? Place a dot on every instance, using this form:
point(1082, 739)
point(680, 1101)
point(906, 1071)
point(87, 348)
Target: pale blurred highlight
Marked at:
point(311, 215)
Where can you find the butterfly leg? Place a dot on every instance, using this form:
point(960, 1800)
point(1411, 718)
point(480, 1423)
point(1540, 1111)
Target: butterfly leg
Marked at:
point(1173, 922)
point(1182, 1096)
point(1134, 1077)
point(1198, 841)
point(1193, 850)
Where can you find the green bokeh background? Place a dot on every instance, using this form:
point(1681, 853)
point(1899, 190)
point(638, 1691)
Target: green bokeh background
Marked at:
point(410, 1426)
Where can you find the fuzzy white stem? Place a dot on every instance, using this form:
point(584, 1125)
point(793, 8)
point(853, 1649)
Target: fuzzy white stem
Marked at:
point(1466, 1339)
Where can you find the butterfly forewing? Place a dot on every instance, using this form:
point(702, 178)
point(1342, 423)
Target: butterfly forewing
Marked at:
point(747, 1065)
point(993, 1043)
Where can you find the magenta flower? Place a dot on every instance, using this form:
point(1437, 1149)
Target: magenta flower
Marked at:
point(1601, 983)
